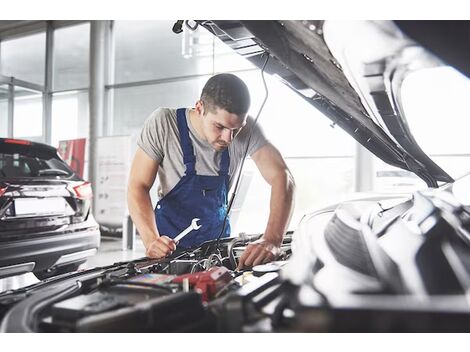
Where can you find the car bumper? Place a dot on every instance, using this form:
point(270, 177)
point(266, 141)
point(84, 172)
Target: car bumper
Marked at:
point(74, 245)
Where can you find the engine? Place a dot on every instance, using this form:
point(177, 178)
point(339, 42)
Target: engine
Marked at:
point(182, 293)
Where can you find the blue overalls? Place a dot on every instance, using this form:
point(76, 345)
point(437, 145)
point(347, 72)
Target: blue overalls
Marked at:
point(194, 196)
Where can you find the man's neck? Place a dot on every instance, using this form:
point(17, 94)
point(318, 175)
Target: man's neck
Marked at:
point(196, 122)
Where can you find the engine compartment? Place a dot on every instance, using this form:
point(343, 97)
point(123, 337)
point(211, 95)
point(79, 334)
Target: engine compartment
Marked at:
point(171, 294)
point(360, 266)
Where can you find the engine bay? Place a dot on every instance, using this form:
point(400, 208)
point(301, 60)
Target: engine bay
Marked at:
point(360, 266)
point(144, 295)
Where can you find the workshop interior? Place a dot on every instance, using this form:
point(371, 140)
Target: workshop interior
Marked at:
point(370, 116)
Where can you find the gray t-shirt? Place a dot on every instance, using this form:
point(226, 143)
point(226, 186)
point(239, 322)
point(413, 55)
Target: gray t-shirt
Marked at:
point(160, 140)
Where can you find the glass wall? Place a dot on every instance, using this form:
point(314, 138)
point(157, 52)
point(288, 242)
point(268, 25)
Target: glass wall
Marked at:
point(24, 58)
point(147, 50)
point(3, 110)
point(71, 57)
point(391, 179)
point(321, 159)
point(287, 117)
point(201, 44)
point(134, 104)
point(27, 117)
point(320, 182)
point(155, 67)
point(436, 105)
point(70, 116)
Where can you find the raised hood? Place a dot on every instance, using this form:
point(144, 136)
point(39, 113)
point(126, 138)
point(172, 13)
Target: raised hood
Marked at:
point(352, 72)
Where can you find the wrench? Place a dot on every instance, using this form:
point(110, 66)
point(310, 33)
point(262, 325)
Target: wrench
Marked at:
point(193, 226)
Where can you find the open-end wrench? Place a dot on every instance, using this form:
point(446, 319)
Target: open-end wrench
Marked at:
point(193, 226)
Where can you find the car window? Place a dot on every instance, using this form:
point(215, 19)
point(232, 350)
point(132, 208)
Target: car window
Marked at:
point(16, 165)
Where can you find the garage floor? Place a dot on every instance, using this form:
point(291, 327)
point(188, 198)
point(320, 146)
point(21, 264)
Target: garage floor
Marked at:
point(110, 251)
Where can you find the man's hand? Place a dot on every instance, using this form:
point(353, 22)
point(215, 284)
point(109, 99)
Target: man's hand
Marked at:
point(258, 252)
point(160, 247)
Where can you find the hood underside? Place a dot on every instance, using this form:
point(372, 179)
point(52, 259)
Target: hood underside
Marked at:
point(357, 92)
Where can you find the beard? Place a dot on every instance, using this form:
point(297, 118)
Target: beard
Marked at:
point(219, 145)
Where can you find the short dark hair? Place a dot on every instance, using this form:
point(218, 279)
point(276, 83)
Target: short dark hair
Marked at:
point(226, 91)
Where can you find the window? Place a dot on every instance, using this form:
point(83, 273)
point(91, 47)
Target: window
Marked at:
point(24, 58)
point(69, 116)
point(320, 158)
point(27, 118)
point(3, 110)
point(147, 50)
point(134, 104)
point(17, 161)
point(321, 181)
point(201, 44)
point(286, 114)
point(71, 57)
point(436, 104)
point(391, 179)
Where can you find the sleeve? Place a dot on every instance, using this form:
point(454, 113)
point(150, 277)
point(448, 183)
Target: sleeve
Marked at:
point(151, 139)
point(258, 139)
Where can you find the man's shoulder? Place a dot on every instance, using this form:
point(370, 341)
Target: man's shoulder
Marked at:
point(251, 135)
point(251, 126)
point(162, 117)
point(163, 113)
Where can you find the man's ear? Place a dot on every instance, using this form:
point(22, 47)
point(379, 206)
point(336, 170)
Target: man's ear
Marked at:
point(199, 108)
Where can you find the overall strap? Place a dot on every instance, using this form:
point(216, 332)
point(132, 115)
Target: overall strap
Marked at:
point(224, 163)
point(188, 153)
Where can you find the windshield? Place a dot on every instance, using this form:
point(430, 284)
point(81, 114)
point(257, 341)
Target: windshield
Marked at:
point(436, 102)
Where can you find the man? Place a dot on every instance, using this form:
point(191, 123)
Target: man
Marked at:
point(196, 153)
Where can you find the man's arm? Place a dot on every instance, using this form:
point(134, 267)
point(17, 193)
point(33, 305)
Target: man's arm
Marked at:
point(143, 172)
point(274, 170)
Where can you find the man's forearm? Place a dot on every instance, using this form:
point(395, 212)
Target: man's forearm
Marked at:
point(140, 209)
point(281, 207)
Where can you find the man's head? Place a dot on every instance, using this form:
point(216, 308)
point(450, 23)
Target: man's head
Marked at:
point(223, 106)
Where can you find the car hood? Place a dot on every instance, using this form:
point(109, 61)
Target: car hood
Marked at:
point(352, 72)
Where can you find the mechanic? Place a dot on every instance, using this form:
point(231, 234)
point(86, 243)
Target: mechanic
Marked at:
point(196, 153)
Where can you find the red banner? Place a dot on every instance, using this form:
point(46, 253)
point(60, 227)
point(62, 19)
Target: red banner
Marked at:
point(73, 153)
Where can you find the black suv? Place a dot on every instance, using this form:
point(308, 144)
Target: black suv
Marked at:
point(46, 225)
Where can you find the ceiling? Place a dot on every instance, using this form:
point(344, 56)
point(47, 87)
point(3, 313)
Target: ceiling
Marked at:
point(14, 28)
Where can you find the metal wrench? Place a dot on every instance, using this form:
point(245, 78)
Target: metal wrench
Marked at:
point(193, 226)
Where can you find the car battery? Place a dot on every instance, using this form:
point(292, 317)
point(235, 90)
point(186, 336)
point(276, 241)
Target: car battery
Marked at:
point(69, 311)
point(208, 283)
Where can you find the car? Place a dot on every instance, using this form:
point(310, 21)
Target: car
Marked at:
point(46, 223)
point(396, 263)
